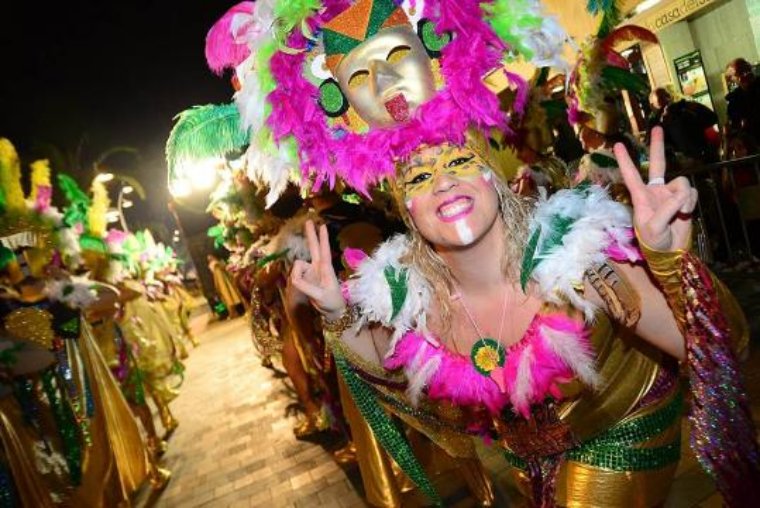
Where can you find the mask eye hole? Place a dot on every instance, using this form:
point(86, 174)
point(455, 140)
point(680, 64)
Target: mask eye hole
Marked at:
point(397, 54)
point(358, 79)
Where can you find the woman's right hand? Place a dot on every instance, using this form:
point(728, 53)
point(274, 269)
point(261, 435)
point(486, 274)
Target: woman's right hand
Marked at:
point(317, 279)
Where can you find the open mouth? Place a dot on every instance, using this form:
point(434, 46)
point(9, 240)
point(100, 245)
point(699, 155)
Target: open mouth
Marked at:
point(398, 108)
point(455, 209)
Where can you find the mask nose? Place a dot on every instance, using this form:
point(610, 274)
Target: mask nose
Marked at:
point(383, 76)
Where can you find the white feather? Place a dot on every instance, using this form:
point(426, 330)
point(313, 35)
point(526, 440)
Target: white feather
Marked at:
point(575, 356)
point(271, 170)
point(77, 292)
point(420, 379)
point(598, 218)
point(523, 392)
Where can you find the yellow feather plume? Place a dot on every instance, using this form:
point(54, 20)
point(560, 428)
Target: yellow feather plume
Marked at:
point(40, 177)
point(10, 177)
point(96, 215)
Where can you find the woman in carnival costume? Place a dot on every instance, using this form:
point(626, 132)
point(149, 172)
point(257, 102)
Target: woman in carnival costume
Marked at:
point(71, 419)
point(149, 334)
point(529, 324)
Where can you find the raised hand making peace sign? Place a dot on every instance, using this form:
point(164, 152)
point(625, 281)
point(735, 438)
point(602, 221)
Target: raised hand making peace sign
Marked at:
point(317, 279)
point(661, 212)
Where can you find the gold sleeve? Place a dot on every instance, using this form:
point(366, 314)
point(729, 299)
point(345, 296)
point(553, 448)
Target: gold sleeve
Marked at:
point(666, 267)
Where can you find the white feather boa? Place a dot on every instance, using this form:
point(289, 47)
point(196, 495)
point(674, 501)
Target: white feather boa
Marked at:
point(369, 290)
point(77, 292)
point(599, 222)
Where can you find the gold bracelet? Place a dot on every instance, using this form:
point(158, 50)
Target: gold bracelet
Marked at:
point(343, 323)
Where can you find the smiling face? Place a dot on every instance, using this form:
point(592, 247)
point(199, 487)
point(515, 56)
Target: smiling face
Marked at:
point(450, 196)
point(387, 77)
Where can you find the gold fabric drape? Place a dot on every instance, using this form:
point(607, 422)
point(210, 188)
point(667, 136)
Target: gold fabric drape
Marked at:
point(120, 433)
point(30, 486)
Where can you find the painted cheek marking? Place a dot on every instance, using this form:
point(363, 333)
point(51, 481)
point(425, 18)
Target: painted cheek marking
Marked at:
point(464, 232)
point(409, 204)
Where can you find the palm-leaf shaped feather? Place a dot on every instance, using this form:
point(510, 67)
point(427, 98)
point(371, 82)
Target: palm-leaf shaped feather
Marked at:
point(543, 243)
point(610, 12)
point(203, 132)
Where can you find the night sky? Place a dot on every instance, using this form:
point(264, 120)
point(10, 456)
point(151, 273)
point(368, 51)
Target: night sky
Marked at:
point(101, 74)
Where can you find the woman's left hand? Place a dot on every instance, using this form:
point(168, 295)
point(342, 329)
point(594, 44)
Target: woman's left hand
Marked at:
point(661, 212)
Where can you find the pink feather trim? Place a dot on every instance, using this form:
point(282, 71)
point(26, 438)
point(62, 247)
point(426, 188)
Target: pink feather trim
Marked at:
point(226, 46)
point(544, 366)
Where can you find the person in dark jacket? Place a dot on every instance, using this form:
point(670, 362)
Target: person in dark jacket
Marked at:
point(685, 124)
point(744, 100)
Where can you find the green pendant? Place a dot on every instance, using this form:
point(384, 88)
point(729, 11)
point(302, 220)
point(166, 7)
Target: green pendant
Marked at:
point(487, 354)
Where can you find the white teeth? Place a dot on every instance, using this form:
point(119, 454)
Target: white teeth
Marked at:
point(455, 208)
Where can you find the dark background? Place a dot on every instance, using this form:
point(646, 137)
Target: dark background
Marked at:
point(79, 78)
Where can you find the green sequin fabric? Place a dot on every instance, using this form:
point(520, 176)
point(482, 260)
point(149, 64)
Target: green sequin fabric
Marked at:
point(618, 449)
point(385, 429)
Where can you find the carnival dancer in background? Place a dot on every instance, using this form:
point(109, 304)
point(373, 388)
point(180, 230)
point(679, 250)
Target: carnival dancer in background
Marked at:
point(71, 415)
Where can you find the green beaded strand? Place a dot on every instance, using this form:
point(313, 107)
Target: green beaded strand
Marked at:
point(385, 430)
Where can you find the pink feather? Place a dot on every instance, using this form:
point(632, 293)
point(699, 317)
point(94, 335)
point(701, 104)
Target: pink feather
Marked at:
point(44, 198)
point(623, 248)
point(354, 257)
point(224, 49)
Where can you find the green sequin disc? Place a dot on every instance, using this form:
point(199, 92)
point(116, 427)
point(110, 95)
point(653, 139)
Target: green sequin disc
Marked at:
point(331, 98)
point(486, 355)
point(433, 42)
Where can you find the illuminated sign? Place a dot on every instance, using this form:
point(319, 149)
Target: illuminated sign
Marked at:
point(670, 13)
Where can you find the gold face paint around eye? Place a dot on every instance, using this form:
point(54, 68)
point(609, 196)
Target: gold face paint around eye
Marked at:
point(387, 77)
point(456, 162)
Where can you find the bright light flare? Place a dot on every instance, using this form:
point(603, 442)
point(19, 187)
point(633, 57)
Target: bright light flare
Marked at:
point(112, 216)
point(104, 177)
point(127, 189)
point(180, 188)
point(127, 204)
point(195, 176)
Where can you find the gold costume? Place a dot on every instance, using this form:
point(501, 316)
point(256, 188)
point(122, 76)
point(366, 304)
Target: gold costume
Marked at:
point(225, 287)
point(147, 332)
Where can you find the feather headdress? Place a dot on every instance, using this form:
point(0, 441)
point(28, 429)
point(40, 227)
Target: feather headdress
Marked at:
point(279, 100)
point(602, 72)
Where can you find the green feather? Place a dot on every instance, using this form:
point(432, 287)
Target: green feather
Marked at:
point(203, 132)
point(218, 233)
point(261, 263)
point(397, 283)
point(615, 78)
point(541, 245)
point(529, 262)
point(79, 202)
point(509, 19)
point(611, 15)
point(292, 13)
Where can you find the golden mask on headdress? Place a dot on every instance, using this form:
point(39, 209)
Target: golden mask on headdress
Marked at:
point(379, 62)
